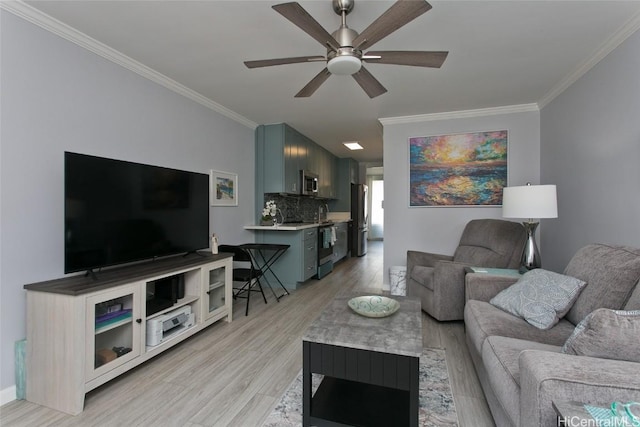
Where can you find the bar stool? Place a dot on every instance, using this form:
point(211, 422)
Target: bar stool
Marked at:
point(263, 256)
point(244, 272)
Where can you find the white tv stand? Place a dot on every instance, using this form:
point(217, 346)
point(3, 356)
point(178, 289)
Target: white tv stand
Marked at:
point(69, 353)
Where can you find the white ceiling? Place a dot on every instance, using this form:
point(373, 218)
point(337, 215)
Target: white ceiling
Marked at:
point(501, 53)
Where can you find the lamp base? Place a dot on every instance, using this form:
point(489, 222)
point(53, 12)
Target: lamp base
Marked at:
point(530, 255)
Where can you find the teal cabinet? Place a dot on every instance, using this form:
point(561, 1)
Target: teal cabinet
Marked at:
point(300, 262)
point(328, 171)
point(291, 154)
point(312, 162)
point(305, 154)
point(347, 174)
point(281, 153)
point(321, 154)
point(341, 247)
point(310, 253)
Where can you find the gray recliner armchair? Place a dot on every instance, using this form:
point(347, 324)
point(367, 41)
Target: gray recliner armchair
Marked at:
point(438, 280)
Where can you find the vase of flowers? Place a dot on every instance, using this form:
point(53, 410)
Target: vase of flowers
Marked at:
point(269, 213)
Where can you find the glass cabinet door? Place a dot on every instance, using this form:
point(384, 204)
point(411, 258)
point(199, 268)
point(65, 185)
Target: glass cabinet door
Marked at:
point(114, 325)
point(214, 296)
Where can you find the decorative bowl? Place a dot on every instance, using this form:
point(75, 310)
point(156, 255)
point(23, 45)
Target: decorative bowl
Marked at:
point(374, 306)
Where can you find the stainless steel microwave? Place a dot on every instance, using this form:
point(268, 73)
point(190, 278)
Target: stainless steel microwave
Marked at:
point(309, 183)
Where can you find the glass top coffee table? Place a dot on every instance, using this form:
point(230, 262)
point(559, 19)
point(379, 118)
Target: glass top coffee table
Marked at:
point(370, 366)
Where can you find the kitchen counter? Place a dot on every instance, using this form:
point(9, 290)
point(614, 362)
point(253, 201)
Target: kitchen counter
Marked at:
point(300, 262)
point(281, 227)
point(291, 227)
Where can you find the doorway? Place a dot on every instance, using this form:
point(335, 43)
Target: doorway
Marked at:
point(375, 181)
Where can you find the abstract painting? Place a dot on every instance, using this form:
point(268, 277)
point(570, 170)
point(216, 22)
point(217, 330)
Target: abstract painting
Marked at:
point(224, 188)
point(465, 169)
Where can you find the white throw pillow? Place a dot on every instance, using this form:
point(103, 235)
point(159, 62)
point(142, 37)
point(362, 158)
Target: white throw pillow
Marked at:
point(540, 297)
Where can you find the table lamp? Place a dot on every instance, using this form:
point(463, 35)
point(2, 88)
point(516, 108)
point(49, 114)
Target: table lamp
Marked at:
point(530, 201)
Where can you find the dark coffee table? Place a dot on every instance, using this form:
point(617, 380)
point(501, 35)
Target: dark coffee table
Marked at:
point(370, 366)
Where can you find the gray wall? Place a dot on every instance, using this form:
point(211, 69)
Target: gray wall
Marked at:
point(590, 148)
point(59, 97)
point(438, 229)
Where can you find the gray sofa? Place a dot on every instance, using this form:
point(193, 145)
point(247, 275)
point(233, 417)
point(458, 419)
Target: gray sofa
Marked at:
point(522, 369)
point(438, 280)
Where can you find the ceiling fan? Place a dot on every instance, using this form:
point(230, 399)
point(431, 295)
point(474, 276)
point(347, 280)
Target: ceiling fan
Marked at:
point(345, 46)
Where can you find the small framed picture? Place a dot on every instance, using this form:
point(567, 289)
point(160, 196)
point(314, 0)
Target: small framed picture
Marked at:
point(224, 188)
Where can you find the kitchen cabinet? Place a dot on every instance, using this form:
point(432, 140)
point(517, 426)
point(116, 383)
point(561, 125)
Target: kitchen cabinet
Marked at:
point(323, 166)
point(347, 174)
point(281, 153)
point(328, 174)
point(276, 160)
point(312, 161)
point(341, 246)
point(300, 262)
point(306, 154)
point(291, 143)
point(310, 253)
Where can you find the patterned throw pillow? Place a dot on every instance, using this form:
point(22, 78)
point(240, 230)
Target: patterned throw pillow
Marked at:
point(540, 297)
point(608, 334)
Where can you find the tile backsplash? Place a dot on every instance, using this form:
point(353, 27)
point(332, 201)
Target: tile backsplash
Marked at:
point(298, 208)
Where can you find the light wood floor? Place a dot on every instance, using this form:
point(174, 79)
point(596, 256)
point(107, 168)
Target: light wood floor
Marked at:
point(233, 374)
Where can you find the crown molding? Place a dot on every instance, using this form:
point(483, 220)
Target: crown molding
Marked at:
point(462, 114)
point(630, 27)
point(42, 20)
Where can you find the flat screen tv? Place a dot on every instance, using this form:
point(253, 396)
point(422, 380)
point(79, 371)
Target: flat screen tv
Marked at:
point(118, 212)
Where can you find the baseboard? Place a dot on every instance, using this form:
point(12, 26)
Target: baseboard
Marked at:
point(7, 395)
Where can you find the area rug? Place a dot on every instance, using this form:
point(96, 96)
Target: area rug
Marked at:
point(437, 408)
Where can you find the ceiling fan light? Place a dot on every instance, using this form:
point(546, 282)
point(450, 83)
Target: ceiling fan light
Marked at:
point(344, 65)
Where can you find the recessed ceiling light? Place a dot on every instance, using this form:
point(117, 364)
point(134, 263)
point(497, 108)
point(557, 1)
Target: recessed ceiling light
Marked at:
point(353, 145)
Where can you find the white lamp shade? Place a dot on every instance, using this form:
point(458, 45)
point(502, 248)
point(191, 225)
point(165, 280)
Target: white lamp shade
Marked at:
point(530, 201)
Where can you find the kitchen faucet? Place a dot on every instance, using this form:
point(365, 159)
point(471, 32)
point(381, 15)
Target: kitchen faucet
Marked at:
point(326, 211)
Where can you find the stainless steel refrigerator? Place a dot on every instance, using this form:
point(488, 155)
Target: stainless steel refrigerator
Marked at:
point(360, 218)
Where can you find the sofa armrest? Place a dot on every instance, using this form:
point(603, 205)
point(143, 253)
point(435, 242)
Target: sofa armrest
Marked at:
point(546, 377)
point(424, 259)
point(448, 278)
point(483, 286)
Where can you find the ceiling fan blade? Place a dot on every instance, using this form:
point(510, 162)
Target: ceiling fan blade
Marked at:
point(404, 57)
point(401, 13)
point(369, 83)
point(300, 17)
point(314, 84)
point(283, 61)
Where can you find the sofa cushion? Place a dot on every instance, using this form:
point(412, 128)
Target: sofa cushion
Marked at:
point(500, 357)
point(634, 301)
point(491, 243)
point(540, 297)
point(611, 272)
point(608, 334)
point(483, 319)
point(423, 275)
point(479, 255)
